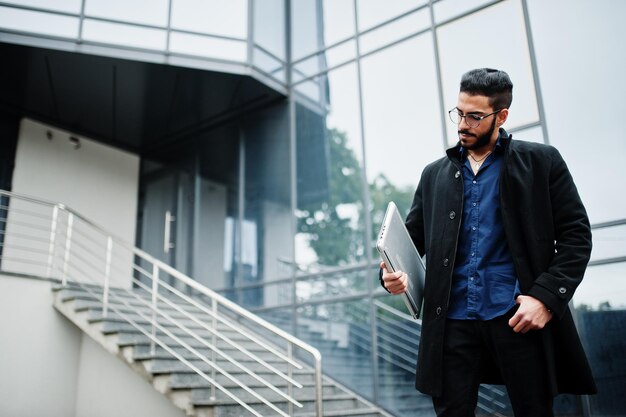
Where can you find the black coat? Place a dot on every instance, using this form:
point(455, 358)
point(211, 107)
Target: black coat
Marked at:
point(549, 237)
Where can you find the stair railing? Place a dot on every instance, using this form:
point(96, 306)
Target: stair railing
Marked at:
point(44, 238)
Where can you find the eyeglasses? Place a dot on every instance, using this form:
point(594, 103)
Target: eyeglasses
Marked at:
point(472, 120)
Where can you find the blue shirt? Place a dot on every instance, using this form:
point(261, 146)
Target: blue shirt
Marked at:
point(484, 284)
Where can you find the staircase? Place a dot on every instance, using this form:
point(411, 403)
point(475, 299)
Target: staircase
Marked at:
point(209, 356)
point(176, 379)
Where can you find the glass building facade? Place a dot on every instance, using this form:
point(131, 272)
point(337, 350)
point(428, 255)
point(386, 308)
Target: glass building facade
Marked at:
point(278, 205)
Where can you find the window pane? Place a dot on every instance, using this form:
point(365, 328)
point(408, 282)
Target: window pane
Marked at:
point(603, 285)
point(586, 79)
point(341, 331)
point(310, 89)
point(130, 11)
point(304, 28)
point(447, 9)
point(531, 134)
point(406, 26)
point(341, 53)
point(609, 242)
point(269, 26)
point(38, 22)
point(126, 35)
point(207, 46)
point(267, 244)
point(330, 197)
point(402, 122)
point(602, 331)
point(282, 318)
point(337, 284)
point(70, 6)
point(338, 20)
point(269, 64)
point(499, 31)
point(218, 17)
point(324, 60)
point(374, 12)
point(398, 338)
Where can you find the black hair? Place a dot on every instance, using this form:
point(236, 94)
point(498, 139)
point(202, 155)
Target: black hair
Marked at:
point(489, 82)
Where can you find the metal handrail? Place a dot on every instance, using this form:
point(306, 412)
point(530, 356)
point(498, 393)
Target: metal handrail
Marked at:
point(65, 261)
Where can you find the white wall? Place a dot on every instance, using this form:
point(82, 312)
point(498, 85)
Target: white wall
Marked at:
point(109, 388)
point(38, 353)
point(48, 367)
point(97, 181)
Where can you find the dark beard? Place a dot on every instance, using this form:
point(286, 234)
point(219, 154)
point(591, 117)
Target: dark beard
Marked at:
point(482, 140)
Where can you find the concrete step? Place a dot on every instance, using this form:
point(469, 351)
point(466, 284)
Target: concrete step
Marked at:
point(125, 298)
point(190, 379)
point(167, 366)
point(143, 352)
point(123, 326)
point(203, 395)
point(95, 314)
point(195, 381)
point(132, 305)
point(128, 338)
point(357, 412)
point(225, 407)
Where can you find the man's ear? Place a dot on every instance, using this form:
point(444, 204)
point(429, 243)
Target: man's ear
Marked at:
point(502, 116)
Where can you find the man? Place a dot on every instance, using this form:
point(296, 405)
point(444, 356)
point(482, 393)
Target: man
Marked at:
point(507, 241)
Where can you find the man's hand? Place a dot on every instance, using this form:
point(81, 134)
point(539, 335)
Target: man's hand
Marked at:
point(395, 282)
point(532, 314)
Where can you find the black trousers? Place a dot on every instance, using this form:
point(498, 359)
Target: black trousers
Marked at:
point(470, 346)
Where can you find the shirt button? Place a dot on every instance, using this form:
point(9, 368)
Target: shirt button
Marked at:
point(452, 215)
point(473, 227)
point(457, 174)
point(446, 262)
point(438, 311)
point(472, 253)
point(562, 290)
point(474, 204)
point(474, 182)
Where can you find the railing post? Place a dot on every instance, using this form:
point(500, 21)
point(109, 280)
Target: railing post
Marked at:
point(290, 375)
point(319, 405)
point(214, 341)
point(155, 290)
point(53, 232)
point(107, 275)
point(68, 246)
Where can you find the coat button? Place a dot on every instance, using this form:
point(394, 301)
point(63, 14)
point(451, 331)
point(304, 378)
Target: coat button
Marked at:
point(438, 311)
point(452, 215)
point(446, 262)
point(457, 174)
point(562, 290)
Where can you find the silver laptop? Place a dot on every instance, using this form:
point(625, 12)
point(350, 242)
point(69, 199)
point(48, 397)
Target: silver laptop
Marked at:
point(399, 254)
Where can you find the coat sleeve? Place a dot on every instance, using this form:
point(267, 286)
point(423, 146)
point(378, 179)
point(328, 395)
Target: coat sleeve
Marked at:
point(555, 287)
